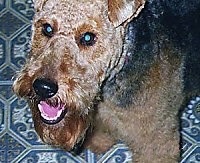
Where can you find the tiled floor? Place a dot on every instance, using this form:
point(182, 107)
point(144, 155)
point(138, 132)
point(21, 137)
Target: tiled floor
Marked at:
point(18, 140)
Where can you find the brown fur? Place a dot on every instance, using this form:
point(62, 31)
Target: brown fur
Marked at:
point(148, 125)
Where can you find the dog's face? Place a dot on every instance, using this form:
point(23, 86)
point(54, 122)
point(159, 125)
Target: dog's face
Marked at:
point(76, 45)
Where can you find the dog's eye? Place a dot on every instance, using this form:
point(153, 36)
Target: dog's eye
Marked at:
point(47, 30)
point(88, 39)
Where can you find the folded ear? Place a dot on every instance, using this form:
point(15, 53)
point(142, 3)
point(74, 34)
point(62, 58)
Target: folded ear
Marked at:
point(38, 4)
point(123, 11)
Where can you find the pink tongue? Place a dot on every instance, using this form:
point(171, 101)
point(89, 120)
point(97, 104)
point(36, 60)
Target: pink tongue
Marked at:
point(48, 110)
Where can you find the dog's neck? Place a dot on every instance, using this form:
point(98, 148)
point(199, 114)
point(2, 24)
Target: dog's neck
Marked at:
point(145, 41)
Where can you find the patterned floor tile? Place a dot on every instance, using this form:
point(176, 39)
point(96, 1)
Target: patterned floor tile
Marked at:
point(24, 8)
point(2, 52)
point(2, 4)
point(2, 117)
point(49, 156)
point(10, 148)
point(21, 122)
point(11, 25)
point(20, 46)
point(18, 139)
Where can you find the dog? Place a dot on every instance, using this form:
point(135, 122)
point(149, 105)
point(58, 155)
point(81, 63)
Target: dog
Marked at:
point(100, 71)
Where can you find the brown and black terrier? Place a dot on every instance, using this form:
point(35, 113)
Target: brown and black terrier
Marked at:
point(100, 71)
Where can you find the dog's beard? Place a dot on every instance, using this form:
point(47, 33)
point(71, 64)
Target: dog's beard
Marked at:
point(66, 130)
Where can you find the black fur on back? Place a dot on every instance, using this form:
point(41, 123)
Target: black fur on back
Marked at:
point(174, 21)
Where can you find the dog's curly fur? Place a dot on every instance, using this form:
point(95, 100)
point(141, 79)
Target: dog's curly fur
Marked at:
point(130, 82)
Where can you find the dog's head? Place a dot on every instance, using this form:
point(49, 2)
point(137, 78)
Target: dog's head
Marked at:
point(76, 45)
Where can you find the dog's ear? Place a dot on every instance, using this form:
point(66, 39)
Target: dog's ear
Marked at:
point(123, 11)
point(38, 4)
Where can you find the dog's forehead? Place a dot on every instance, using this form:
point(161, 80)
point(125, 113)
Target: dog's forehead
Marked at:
point(72, 10)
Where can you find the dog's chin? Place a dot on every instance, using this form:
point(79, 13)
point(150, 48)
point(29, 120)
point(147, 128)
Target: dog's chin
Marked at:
point(58, 126)
point(51, 114)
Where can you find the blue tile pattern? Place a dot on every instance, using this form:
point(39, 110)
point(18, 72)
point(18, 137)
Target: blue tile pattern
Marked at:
point(191, 132)
point(18, 140)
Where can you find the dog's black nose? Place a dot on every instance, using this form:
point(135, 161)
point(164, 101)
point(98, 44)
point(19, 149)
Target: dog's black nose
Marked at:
point(45, 88)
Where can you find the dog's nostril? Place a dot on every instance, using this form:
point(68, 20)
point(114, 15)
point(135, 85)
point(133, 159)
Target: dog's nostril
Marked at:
point(45, 88)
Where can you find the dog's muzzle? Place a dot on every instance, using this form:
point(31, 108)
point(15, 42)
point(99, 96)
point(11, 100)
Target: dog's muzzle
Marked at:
point(44, 90)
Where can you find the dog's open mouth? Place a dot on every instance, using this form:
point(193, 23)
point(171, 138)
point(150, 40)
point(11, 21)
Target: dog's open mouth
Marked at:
point(51, 114)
